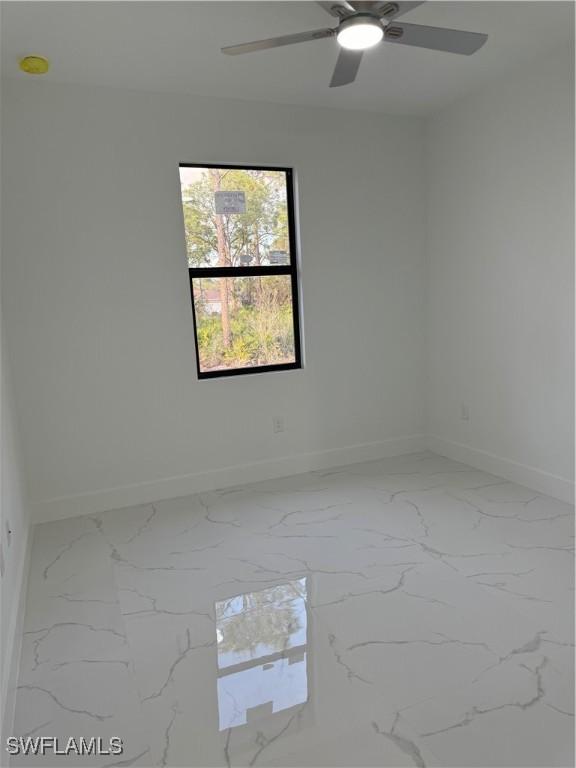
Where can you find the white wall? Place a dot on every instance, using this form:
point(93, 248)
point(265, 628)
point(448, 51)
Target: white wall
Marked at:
point(13, 515)
point(500, 243)
point(99, 315)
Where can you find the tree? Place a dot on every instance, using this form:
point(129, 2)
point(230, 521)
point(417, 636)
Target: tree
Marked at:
point(223, 247)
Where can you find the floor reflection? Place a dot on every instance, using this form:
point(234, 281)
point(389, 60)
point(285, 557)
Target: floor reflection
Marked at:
point(262, 654)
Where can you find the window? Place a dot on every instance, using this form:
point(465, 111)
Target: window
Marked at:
point(241, 247)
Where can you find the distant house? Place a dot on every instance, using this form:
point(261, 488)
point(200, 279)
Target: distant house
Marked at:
point(275, 258)
point(211, 301)
point(278, 257)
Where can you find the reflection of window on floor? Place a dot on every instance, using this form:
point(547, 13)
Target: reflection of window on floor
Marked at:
point(261, 652)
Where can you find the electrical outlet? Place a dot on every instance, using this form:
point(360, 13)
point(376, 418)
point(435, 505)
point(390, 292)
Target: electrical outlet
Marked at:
point(464, 412)
point(278, 424)
point(8, 532)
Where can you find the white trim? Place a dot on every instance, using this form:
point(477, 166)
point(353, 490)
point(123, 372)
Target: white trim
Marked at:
point(14, 649)
point(174, 487)
point(545, 482)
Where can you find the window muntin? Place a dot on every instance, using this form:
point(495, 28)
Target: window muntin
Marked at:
point(240, 243)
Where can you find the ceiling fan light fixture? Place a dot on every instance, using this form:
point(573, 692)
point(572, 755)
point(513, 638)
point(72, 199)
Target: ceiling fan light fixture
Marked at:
point(360, 32)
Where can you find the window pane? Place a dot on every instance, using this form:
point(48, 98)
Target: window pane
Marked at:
point(235, 217)
point(243, 322)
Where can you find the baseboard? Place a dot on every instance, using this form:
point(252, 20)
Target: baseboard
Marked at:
point(174, 487)
point(544, 482)
point(13, 652)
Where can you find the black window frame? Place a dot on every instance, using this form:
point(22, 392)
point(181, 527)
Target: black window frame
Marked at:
point(256, 271)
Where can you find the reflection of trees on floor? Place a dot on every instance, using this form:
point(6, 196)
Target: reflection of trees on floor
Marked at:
point(262, 656)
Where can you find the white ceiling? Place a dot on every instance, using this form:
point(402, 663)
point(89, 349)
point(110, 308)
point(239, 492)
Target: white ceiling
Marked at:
point(175, 46)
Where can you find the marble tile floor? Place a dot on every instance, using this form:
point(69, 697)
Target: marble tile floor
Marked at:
point(405, 612)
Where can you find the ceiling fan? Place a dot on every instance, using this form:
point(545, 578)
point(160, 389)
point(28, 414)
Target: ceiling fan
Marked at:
point(363, 25)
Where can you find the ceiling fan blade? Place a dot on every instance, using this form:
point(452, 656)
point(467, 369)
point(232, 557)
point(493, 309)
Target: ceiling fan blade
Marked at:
point(276, 42)
point(346, 68)
point(435, 38)
point(338, 8)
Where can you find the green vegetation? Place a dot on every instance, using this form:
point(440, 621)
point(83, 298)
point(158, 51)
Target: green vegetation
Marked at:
point(261, 328)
